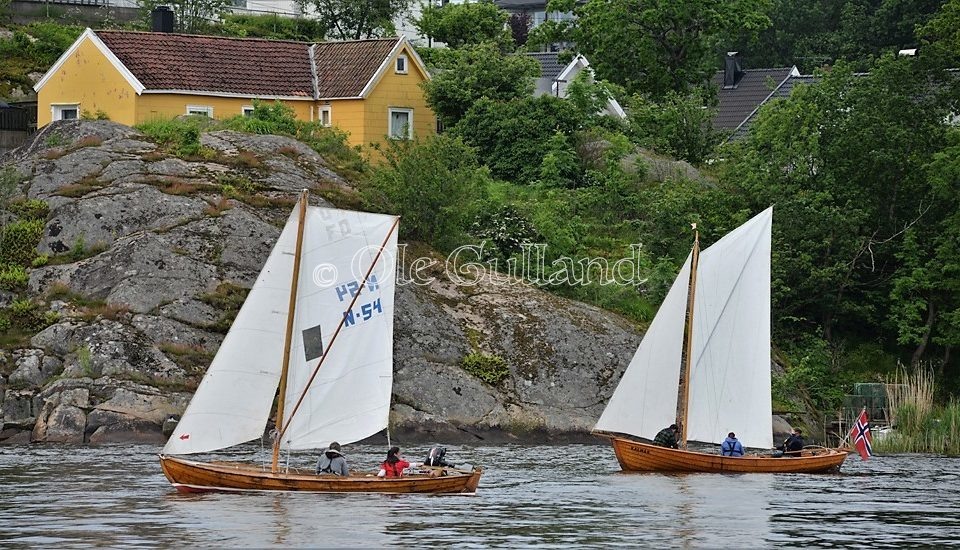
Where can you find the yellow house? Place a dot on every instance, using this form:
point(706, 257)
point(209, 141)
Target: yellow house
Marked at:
point(369, 88)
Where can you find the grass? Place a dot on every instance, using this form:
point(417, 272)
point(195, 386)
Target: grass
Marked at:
point(920, 425)
point(193, 359)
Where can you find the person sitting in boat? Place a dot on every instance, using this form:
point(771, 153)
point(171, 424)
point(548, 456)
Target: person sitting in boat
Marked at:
point(731, 446)
point(333, 462)
point(667, 437)
point(394, 465)
point(793, 445)
point(436, 458)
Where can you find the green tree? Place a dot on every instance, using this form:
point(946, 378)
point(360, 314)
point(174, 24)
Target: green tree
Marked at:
point(355, 19)
point(189, 15)
point(654, 46)
point(513, 136)
point(273, 26)
point(475, 72)
point(678, 125)
point(844, 162)
point(461, 24)
point(433, 184)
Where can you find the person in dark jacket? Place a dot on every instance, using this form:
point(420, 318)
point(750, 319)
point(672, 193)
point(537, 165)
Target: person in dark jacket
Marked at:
point(731, 446)
point(333, 462)
point(394, 465)
point(667, 437)
point(793, 444)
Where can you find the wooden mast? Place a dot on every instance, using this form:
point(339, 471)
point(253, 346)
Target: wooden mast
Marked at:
point(683, 397)
point(288, 339)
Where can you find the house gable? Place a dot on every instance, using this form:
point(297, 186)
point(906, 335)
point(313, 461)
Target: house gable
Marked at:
point(88, 34)
point(738, 103)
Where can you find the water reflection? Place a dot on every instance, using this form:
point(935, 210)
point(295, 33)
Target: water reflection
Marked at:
point(529, 496)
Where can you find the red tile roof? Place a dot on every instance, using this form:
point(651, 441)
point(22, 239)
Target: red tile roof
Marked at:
point(344, 68)
point(247, 66)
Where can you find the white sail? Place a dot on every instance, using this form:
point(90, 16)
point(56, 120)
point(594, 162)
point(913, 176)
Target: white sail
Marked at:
point(234, 399)
point(349, 399)
point(730, 374)
point(645, 400)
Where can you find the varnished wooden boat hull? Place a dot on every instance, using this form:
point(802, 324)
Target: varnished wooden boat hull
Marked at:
point(644, 457)
point(191, 476)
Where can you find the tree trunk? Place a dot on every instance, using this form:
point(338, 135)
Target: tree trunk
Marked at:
point(927, 329)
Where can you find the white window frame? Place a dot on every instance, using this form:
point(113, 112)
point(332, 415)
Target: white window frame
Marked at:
point(200, 109)
point(409, 113)
point(246, 110)
point(401, 59)
point(328, 111)
point(57, 109)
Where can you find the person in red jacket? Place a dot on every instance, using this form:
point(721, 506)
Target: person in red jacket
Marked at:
point(394, 465)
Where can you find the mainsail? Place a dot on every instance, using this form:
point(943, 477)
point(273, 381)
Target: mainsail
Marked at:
point(730, 374)
point(350, 396)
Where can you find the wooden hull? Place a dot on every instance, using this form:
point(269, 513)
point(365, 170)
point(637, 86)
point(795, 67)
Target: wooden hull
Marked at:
point(644, 457)
point(190, 476)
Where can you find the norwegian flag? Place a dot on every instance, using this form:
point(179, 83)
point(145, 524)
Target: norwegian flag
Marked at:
point(860, 435)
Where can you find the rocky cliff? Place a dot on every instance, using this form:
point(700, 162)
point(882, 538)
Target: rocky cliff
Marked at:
point(144, 257)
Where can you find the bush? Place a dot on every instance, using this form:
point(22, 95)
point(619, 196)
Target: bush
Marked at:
point(433, 184)
point(28, 316)
point(32, 209)
point(512, 137)
point(504, 229)
point(492, 369)
point(19, 240)
point(679, 126)
point(13, 277)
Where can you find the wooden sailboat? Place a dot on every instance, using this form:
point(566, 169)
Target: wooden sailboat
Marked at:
point(704, 364)
point(316, 331)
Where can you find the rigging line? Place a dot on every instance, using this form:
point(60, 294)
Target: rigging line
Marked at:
point(333, 338)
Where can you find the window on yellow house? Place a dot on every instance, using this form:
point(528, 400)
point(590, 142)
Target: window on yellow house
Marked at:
point(246, 110)
point(325, 115)
point(66, 112)
point(401, 64)
point(203, 110)
point(401, 123)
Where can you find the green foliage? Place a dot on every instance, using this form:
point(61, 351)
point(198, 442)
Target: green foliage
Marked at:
point(35, 47)
point(474, 72)
point(816, 33)
point(13, 277)
point(180, 136)
point(653, 46)
point(9, 179)
point(355, 19)
point(30, 209)
point(812, 378)
point(492, 369)
point(513, 136)
point(560, 166)
point(504, 229)
point(433, 184)
point(463, 24)
point(273, 26)
point(267, 118)
point(680, 125)
point(19, 240)
point(28, 316)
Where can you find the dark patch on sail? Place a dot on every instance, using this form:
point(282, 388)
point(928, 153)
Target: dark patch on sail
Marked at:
point(312, 343)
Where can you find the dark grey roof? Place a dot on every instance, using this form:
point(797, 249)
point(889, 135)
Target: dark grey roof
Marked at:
point(754, 88)
point(520, 4)
point(782, 91)
point(550, 67)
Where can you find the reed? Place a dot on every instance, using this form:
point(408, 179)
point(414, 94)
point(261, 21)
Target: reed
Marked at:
point(920, 425)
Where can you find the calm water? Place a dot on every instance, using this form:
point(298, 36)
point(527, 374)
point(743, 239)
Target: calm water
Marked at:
point(546, 496)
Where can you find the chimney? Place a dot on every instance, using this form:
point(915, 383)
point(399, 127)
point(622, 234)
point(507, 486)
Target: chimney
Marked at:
point(732, 70)
point(162, 19)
